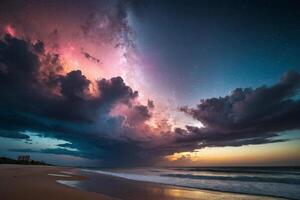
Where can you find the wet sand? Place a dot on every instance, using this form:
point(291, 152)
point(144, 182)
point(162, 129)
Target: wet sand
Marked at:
point(23, 182)
point(125, 189)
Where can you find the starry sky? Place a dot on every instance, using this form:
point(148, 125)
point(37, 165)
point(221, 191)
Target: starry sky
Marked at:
point(130, 83)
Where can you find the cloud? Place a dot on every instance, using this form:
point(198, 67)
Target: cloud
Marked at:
point(37, 96)
point(150, 104)
point(137, 115)
point(246, 116)
point(110, 124)
point(13, 134)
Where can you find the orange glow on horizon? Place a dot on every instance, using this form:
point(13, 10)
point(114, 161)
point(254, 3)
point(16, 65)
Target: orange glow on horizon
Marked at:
point(267, 154)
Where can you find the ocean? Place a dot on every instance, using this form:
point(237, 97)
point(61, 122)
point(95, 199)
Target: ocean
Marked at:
point(269, 181)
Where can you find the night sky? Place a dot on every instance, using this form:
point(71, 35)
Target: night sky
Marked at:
point(145, 82)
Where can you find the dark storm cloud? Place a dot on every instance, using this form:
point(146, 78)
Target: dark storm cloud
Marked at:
point(138, 114)
point(13, 134)
point(35, 96)
point(39, 47)
point(115, 89)
point(24, 87)
point(246, 116)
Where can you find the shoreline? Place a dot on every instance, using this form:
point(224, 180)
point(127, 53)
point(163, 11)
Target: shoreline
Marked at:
point(189, 187)
point(212, 190)
point(51, 182)
point(209, 193)
point(32, 182)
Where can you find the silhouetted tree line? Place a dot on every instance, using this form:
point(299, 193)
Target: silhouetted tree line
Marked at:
point(4, 160)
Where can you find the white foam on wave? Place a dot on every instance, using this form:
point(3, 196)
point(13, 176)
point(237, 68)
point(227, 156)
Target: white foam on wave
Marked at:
point(60, 175)
point(256, 188)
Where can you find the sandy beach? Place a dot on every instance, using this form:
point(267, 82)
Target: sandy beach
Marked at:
point(33, 183)
point(40, 182)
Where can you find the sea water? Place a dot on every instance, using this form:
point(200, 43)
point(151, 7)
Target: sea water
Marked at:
point(270, 181)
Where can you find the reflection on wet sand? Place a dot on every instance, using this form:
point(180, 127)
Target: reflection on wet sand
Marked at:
point(124, 189)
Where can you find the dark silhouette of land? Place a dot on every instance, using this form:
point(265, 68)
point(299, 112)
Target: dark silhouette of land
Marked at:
point(5, 160)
